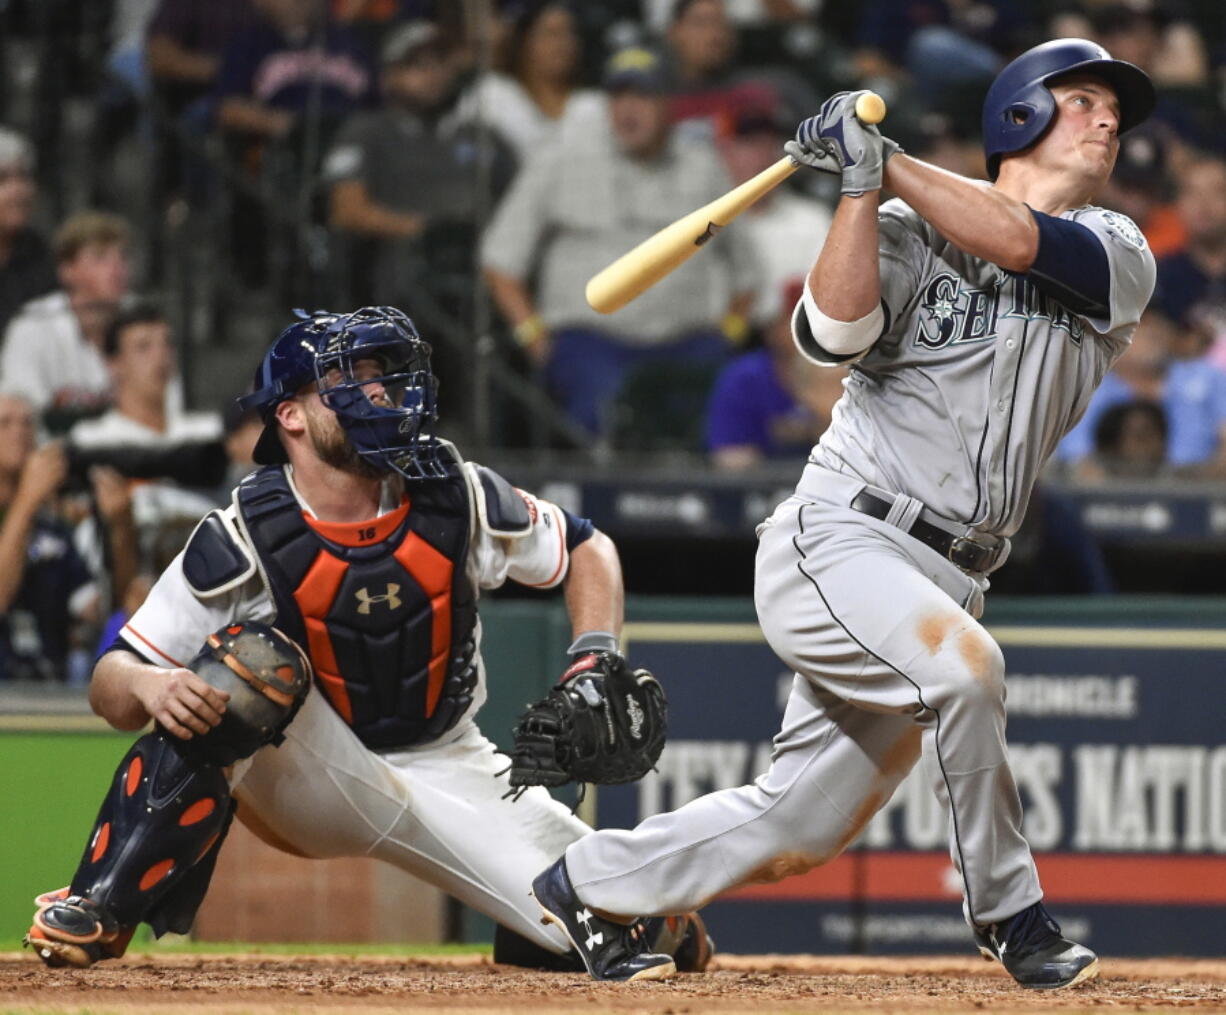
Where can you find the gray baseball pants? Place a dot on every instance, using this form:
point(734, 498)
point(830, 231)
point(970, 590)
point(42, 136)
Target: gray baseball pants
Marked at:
point(890, 663)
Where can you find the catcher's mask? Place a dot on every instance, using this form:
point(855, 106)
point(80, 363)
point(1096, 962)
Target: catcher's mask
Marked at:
point(372, 369)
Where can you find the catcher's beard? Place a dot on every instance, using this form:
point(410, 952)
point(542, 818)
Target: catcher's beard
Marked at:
point(334, 448)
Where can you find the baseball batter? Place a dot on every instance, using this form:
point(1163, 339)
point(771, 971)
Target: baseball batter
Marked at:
point(979, 319)
point(366, 540)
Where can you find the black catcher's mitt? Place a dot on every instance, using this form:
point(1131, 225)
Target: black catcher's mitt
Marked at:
point(603, 723)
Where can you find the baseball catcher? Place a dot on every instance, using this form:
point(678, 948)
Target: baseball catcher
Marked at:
point(365, 540)
point(603, 723)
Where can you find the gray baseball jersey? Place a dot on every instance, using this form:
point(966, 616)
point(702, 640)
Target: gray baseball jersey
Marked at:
point(978, 374)
point(954, 409)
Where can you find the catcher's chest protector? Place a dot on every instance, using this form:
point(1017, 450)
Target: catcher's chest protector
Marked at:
point(383, 608)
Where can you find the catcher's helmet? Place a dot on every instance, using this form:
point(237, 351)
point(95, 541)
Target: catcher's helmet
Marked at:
point(1020, 106)
point(324, 348)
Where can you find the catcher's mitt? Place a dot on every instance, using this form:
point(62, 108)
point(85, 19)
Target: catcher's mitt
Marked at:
point(603, 723)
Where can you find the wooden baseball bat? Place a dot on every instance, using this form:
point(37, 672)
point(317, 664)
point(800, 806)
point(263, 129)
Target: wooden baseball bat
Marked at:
point(639, 269)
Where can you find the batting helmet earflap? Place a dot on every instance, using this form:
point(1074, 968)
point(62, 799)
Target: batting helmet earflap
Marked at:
point(1020, 107)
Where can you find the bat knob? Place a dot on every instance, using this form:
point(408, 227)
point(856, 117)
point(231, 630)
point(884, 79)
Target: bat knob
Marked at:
point(870, 108)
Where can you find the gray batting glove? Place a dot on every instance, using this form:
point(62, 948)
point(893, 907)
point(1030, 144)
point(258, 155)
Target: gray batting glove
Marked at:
point(823, 160)
point(857, 146)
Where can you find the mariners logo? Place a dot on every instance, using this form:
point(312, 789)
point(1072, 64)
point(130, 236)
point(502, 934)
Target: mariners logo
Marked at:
point(950, 313)
point(1123, 227)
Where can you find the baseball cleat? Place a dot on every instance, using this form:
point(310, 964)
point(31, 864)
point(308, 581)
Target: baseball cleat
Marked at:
point(683, 937)
point(610, 951)
point(1030, 946)
point(72, 931)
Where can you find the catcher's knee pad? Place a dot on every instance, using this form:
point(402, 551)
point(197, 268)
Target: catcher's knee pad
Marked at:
point(267, 676)
point(164, 814)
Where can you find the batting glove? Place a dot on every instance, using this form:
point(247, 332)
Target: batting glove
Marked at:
point(823, 160)
point(836, 131)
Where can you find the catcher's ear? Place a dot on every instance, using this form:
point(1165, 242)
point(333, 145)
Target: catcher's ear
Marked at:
point(291, 415)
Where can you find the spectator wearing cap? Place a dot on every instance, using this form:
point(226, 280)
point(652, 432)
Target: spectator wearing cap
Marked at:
point(53, 348)
point(391, 170)
point(771, 403)
point(535, 84)
point(600, 189)
point(26, 266)
point(787, 227)
point(409, 177)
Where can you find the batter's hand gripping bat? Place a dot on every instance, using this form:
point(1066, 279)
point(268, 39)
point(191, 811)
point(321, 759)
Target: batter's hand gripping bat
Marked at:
point(638, 270)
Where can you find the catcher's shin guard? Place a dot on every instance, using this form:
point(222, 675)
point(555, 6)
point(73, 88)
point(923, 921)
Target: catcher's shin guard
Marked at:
point(150, 856)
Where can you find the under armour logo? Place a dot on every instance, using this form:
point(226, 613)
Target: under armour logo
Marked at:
point(584, 916)
point(365, 599)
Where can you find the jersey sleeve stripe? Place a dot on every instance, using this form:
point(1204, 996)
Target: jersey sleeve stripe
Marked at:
point(133, 631)
point(553, 578)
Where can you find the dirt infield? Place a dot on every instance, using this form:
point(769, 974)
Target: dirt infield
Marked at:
point(272, 985)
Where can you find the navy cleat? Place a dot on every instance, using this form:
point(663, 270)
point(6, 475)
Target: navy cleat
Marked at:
point(1030, 946)
point(610, 951)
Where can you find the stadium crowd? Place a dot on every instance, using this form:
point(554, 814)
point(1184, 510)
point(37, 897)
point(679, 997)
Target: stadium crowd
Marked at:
point(163, 162)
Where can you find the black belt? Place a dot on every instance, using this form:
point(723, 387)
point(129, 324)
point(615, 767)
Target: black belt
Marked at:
point(959, 550)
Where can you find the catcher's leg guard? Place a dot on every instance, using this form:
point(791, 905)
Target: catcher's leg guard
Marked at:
point(149, 858)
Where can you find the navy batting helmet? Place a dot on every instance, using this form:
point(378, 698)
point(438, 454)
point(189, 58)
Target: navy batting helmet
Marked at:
point(1020, 106)
point(392, 433)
